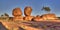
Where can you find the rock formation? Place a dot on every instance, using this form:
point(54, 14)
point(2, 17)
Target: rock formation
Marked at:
point(11, 25)
point(27, 12)
point(17, 13)
point(49, 17)
point(45, 17)
point(37, 18)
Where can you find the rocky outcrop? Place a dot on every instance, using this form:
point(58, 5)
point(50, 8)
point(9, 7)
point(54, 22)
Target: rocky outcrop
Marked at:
point(11, 25)
point(17, 13)
point(45, 17)
point(27, 13)
point(49, 16)
point(28, 18)
point(37, 18)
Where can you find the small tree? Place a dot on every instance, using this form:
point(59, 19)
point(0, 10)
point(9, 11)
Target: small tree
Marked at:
point(6, 14)
point(1, 15)
point(47, 9)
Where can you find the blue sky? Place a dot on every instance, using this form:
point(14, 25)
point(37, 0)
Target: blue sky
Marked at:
point(6, 6)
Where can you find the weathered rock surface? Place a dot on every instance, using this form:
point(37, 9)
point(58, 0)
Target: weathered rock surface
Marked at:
point(27, 12)
point(11, 25)
point(19, 18)
point(17, 13)
point(28, 18)
point(30, 25)
point(45, 17)
point(37, 18)
point(2, 27)
point(49, 17)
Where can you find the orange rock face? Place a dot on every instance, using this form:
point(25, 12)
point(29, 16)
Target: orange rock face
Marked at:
point(17, 13)
point(27, 12)
point(45, 17)
point(18, 18)
point(49, 16)
point(37, 18)
point(28, 18)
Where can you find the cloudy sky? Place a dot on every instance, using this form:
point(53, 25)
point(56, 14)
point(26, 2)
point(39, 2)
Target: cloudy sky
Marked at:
point(6, 6)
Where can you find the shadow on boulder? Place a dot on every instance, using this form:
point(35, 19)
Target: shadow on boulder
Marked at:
point(2, 27)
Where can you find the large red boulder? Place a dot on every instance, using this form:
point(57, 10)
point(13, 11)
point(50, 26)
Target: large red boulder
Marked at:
point(17, 13)
point(27, 13)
